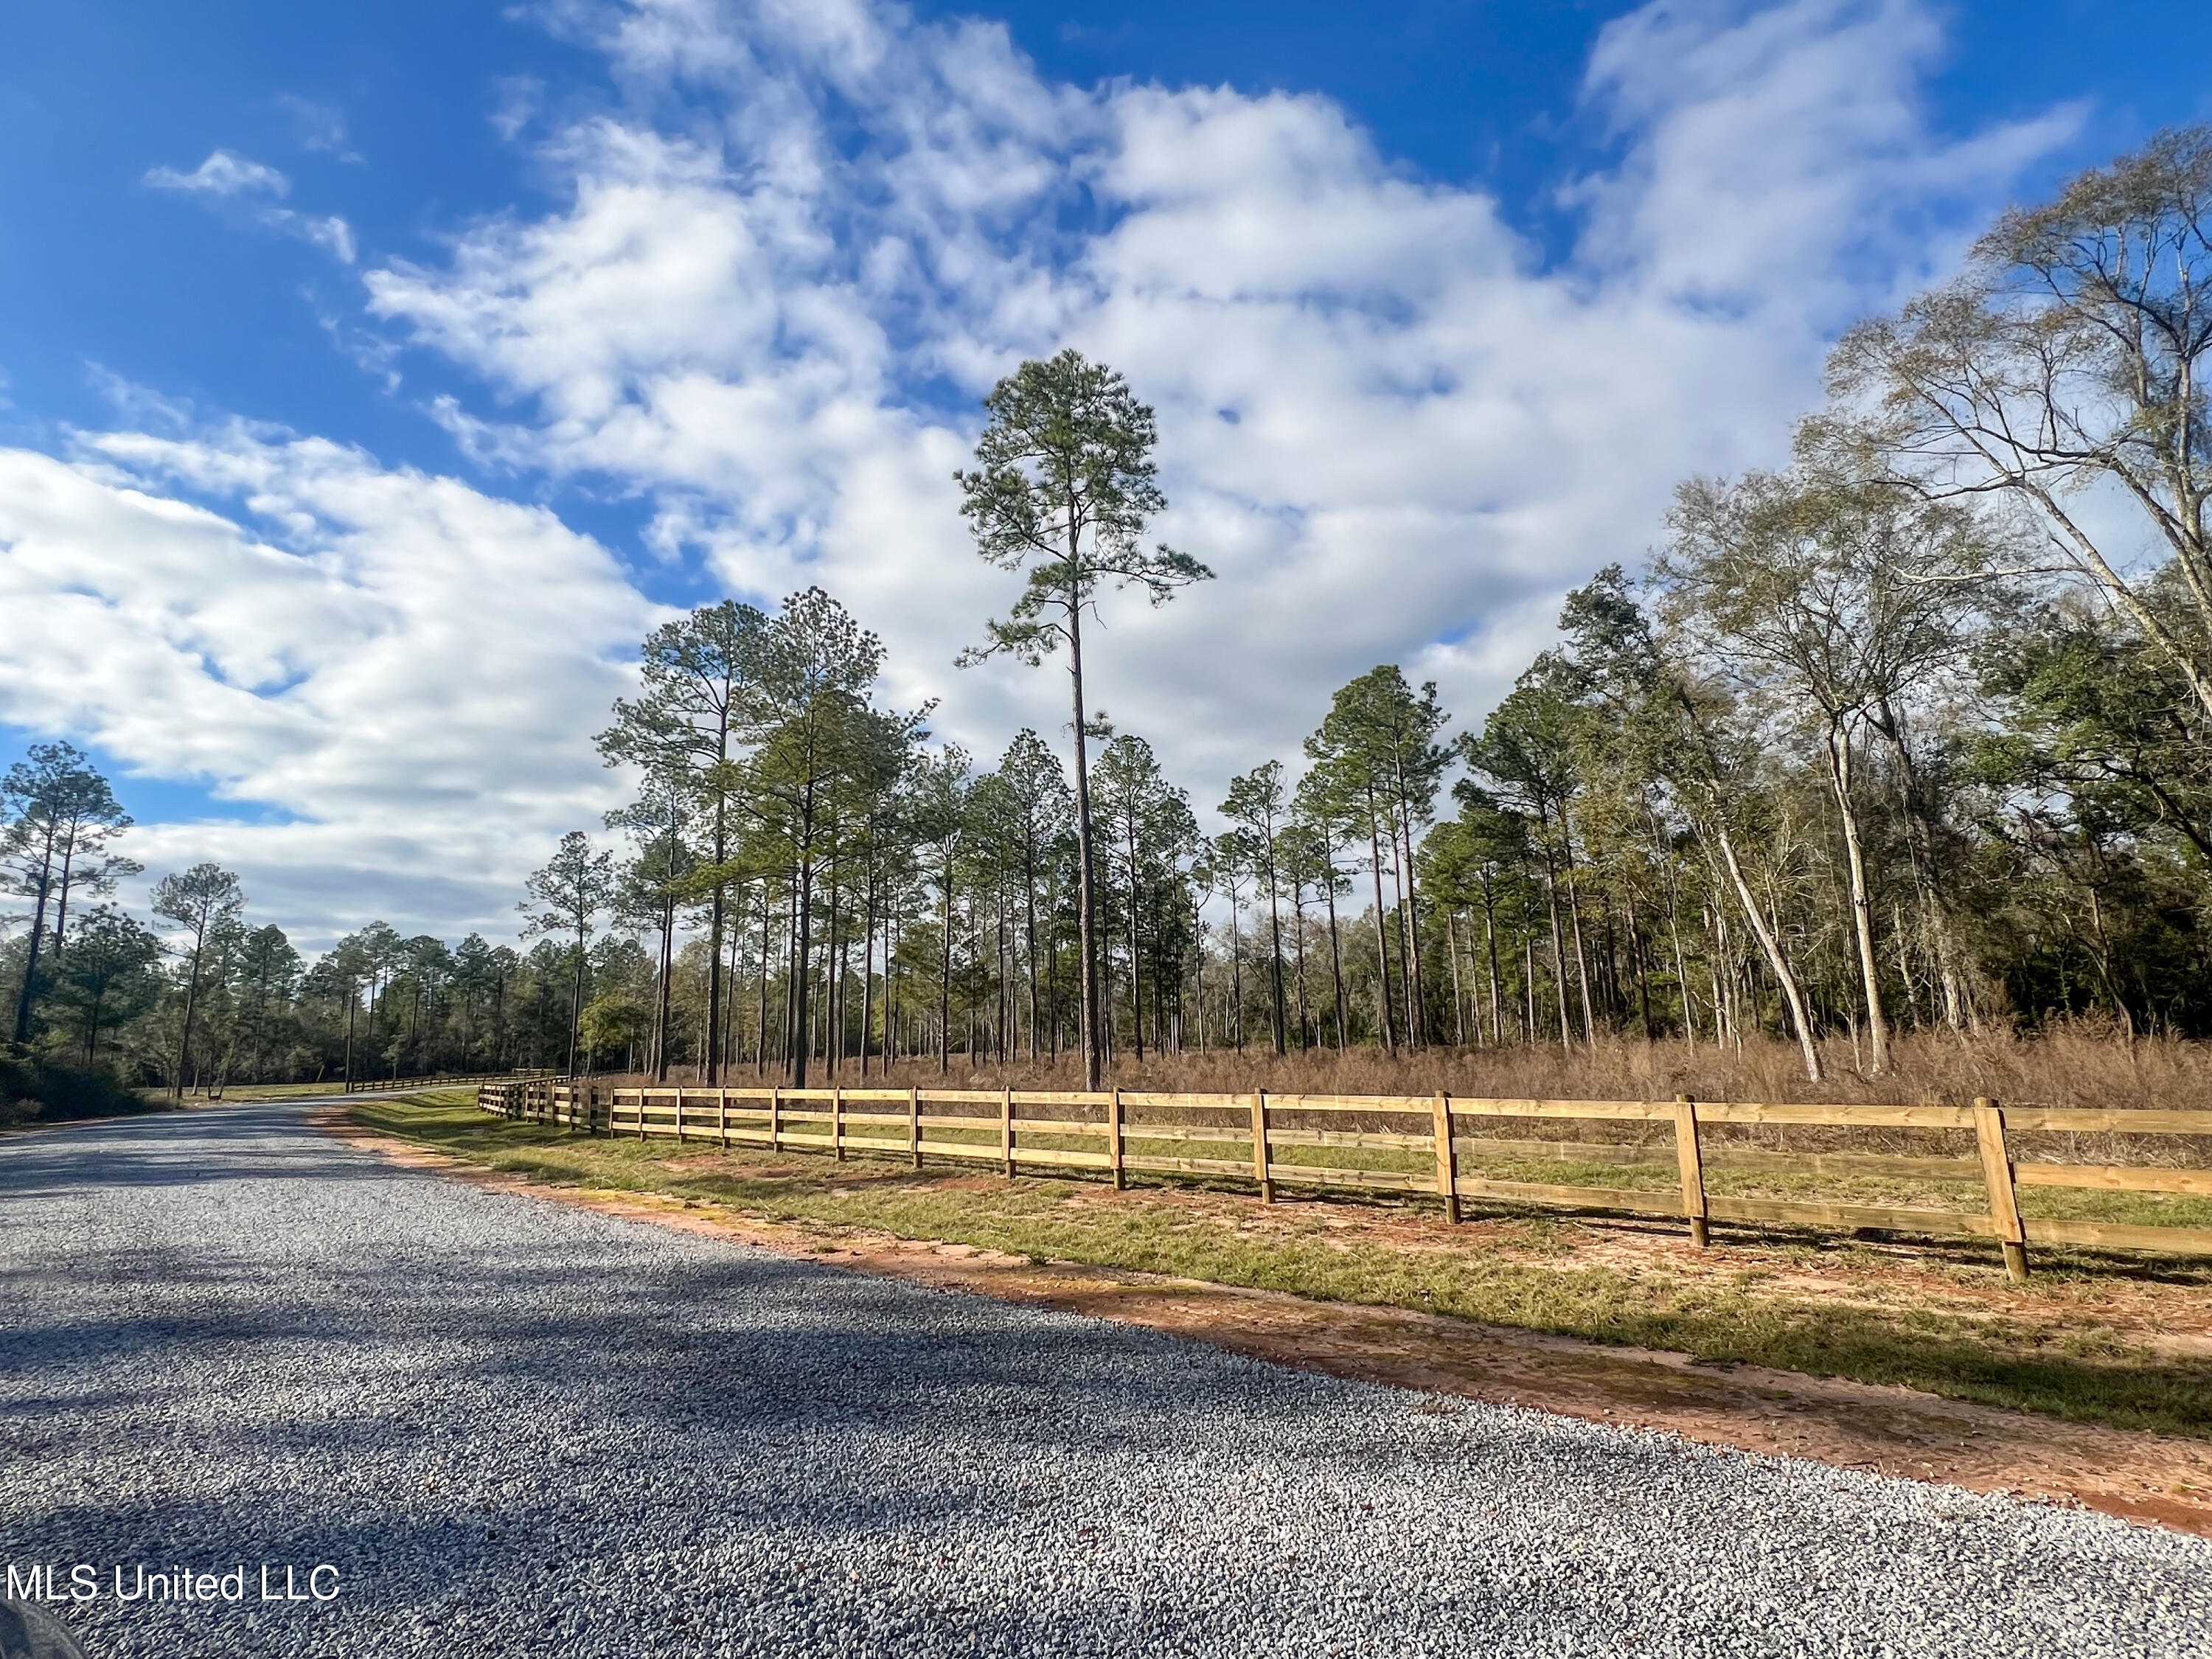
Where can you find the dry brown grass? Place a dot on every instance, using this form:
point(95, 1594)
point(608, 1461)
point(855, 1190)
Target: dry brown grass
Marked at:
point(2076, 1065)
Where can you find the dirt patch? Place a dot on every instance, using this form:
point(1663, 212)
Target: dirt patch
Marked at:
point(2143, 1477)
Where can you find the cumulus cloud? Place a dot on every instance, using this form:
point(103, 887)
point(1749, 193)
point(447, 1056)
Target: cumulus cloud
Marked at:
point(399, 663)
point(232, 180)
point(1395, 433)
point(782, 277)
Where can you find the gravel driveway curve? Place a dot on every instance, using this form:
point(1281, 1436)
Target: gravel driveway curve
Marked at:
point(515, 1427)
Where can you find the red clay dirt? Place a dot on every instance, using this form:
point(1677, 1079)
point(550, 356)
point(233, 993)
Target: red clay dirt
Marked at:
point(2160, 1479)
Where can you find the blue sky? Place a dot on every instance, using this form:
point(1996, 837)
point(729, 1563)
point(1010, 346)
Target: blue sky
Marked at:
point(373, 373)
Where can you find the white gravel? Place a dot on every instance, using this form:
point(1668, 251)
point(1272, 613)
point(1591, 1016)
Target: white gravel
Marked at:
point(515, 1427)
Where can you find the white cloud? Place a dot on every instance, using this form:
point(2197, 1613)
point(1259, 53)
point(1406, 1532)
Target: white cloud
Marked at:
point(781, 281)
point(1395, 435)
point(400, 664)
point(225, 179)
point(222, 174)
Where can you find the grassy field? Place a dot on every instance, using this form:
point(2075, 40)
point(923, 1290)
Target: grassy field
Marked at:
point(243, 1092)
point(2097, 1340)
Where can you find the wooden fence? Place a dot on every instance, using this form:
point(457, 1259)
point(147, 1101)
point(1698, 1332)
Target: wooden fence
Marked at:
point(379, 1086)
point(1439, 1142)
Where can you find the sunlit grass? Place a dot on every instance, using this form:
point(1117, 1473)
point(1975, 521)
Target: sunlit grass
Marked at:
point(2052, 1355)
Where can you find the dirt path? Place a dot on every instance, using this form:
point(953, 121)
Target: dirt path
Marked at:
point(2157, 1478)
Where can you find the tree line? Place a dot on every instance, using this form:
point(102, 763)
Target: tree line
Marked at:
point(196, 996)
point(1910, 734)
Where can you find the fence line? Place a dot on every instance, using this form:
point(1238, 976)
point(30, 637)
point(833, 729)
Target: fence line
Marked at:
point(379, 1086)
point(1430, 1131)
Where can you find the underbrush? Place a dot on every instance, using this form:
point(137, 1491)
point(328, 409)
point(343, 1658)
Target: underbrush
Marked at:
point(35, 1088)
point(2078, 1065)
point(1943, 1320)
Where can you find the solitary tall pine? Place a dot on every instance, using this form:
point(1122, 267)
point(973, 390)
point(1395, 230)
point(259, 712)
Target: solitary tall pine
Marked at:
point(1063, 487)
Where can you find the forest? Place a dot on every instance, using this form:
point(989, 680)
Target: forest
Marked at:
point(1910, 736)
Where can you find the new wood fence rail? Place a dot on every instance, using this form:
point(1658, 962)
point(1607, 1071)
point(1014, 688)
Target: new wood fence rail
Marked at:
point(379, 1086)
point(1276, 1140)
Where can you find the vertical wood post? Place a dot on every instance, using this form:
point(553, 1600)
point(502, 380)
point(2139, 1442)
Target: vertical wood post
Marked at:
point(722, 1116)
point(679, 1115)
point(1260, 1148)
point(641, 1114)
point(837, 1120)
point(1690, 1156)
point(1006, 1129)
point(775, 1118)
point(1447, 1158)
point(1996, 1175)
point(1113, 1140)
point(914, 1124)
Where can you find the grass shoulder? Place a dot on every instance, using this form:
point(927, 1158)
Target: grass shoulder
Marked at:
point(2104, 1341)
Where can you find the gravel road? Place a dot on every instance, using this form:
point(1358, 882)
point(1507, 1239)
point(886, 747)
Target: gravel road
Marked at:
point(228, 1340)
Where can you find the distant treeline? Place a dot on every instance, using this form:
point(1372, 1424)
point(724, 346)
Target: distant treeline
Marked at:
point(1913, 734)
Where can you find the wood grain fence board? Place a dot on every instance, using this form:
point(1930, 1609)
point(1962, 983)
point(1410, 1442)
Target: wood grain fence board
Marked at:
point(1656, 1155)
point(977, 1150)
point(1381, 1181)
point(2113, 1178)
point(1440, 1146)
point(1259, 1165)
point(1996, 1174)
point(1211, 1103)
point(1061, 1159)
point(1212, 1137)
point(1658, 1201)
point(1365, 1140)
point(1224, 1166)
point(1690, 1166)
point(2100, 1120)
point(2118, 1236)
point(1655, 1110)
point(1869, 1117)
point(1944, 1222)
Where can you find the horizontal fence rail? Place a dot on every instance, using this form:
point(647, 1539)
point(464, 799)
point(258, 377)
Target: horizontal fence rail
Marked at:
point(1441, 1142)
point(379, 1086)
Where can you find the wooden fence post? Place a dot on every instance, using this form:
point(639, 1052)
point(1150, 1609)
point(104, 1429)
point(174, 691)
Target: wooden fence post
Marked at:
point(1006, 1129)
point(1996, 1175)
point(1447, 1158)
point(1692, 1159)
point(1113, 1140)
point(775, 1117)
point(837, 1120)
point(722, 1116)
point(641, 1098)
point(679, 1115)
point(914, 1124)
point(1260, 1148)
